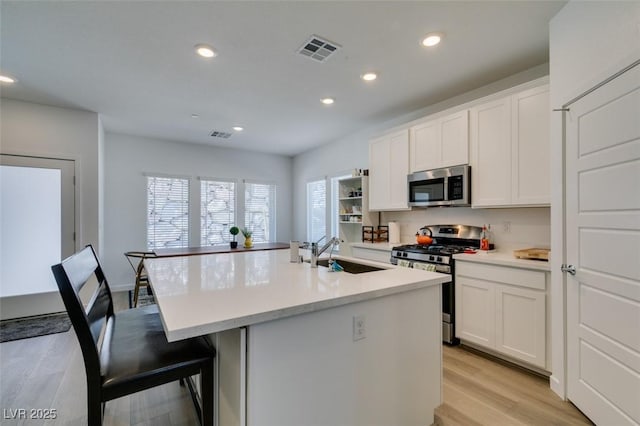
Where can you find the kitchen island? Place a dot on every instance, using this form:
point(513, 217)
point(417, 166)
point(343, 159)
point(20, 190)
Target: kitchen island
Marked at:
point(304, 346)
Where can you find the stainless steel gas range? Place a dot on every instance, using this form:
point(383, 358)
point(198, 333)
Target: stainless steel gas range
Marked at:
point(447, 241)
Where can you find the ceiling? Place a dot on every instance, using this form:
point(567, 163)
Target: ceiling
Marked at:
point(134, 63)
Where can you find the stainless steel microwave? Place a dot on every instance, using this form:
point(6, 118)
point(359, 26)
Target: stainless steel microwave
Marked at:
point(450, 186)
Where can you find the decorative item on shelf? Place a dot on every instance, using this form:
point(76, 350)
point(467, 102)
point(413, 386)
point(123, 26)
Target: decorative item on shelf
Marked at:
point(373, 234)
point(234, 230)
point(247, 238)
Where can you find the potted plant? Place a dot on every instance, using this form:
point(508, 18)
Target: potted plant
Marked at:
point(234, 230)
point(247, 237)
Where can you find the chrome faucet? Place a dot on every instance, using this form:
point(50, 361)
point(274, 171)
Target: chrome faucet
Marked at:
point(315, 251)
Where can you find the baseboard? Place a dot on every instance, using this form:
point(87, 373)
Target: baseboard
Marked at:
point(557, 387)
point(505, 359)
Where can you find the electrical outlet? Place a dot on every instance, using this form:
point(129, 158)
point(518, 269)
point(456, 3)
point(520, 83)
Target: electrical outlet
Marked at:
point(359, 328)
point(506, 227)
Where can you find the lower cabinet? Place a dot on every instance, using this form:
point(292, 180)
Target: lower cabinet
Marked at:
point(503, 309)
point(376, 255)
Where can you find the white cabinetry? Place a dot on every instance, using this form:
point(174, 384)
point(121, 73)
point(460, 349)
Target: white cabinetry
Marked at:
point(510, 150)
point(503, 309)
point(372, 253)
point(443, 142)
point(353, 211)
point(388, 169)
point(475, 311)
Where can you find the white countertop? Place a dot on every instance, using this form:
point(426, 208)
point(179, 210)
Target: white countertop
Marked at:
point(199, 295)
point(504, 258)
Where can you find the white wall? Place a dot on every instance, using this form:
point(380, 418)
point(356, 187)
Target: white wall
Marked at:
point(353, 151)
point(589, 41)
point(52, 132)
point(527, 227)
point(128, 157)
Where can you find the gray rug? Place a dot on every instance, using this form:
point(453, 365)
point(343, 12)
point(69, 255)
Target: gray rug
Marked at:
point(41, 325)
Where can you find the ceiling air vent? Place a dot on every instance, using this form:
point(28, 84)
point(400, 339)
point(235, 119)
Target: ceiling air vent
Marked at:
point(317, 48)
point(219, 134)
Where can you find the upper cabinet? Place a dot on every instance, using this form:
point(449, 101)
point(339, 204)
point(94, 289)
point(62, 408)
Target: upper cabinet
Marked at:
point(442, 142)
point(388, 170)
point(510, 150)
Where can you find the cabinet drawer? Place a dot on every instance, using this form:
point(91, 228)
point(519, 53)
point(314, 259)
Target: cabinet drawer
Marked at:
point(371, 254)
point(503, 274)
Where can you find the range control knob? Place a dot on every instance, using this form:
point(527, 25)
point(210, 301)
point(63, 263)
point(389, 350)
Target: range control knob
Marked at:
point(439, 258)
point(430, 257)
point(404, 254)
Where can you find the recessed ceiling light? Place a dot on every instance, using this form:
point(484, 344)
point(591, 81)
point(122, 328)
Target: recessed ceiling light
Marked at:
point(238, 128)
point(432, 39)
point(327, 101)
point(369, 76)
point(7, 79)
point(205, 51)
point(195, 116)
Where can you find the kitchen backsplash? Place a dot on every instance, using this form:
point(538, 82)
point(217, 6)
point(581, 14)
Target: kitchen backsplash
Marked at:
point(511, 228)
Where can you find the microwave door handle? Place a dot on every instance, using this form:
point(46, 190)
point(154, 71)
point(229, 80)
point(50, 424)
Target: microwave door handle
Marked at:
point(446, 189)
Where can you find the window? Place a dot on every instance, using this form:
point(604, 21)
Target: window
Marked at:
point(259, 210)
point(217, 211)
point(167, 212)
point(316, 209)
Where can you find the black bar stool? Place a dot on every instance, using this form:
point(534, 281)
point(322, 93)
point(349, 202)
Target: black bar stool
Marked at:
point(127, 352)
point(136, 260)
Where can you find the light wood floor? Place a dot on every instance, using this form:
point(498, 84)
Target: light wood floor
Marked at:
point(480, 391)
point(48, 372)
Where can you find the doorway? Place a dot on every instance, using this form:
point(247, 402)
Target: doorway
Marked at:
point(37, 219)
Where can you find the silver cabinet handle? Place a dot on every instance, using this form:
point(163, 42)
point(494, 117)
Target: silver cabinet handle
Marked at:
point(568, 268)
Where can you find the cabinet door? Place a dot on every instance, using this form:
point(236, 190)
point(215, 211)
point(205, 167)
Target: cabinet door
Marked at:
point(399, 169)
point(454, 139)
point(475, 311)
point(371, 254)
point(491, 154)
point(425, 147)
point(379, 173)
point(520, 324)
point(530, 144)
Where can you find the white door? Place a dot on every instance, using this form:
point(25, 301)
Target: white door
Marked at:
point(454, 138)
point(476, 319)
point(491, 153)
point(399, 169)
point(530, 157)
point(425, 147)
point(603, 244)
point(38, 223)
point(521, 323)
point(379, 173)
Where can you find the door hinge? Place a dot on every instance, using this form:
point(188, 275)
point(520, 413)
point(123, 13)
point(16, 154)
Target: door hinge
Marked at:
point(74, 236)
point(74, 179)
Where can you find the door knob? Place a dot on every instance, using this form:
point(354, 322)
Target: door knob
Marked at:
point(568, 268)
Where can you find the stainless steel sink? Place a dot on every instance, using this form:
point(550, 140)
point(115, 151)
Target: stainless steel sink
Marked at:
point(351, 267)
